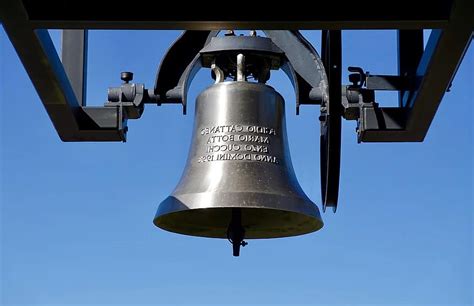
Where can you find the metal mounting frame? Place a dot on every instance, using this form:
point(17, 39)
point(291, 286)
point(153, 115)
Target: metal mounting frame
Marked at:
point(432, 70)
point(59, 86)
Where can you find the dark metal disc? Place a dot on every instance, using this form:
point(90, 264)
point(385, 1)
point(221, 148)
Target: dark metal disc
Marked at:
point(331, 114)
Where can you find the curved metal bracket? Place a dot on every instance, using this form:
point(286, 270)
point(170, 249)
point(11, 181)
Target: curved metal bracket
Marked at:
point(179, 66)
point(306, 67)
point(182, 61)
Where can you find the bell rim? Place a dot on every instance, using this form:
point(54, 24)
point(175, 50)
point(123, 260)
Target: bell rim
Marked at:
point(173, 221)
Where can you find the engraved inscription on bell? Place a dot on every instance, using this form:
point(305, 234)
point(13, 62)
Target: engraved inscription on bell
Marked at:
point(238, 143)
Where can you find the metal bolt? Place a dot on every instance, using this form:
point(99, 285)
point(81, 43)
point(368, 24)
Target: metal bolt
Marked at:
point(126, 76)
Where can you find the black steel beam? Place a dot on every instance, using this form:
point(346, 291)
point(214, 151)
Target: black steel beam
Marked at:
point(410, 51)
point(41, 61)
point(74, 59)
point(438, 65)
point(436, 69)
point(196, 15)
point(315, 24)
point(384, 124)
point(39, 57)
point(390, 82)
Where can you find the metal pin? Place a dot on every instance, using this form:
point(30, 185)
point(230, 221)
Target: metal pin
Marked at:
point(240, 68)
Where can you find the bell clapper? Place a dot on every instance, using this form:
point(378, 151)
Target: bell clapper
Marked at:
point(235, 231)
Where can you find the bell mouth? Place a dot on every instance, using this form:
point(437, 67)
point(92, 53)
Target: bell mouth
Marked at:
point(259, 222)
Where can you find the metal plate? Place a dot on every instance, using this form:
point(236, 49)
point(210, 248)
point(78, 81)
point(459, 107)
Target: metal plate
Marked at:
point(331, 114)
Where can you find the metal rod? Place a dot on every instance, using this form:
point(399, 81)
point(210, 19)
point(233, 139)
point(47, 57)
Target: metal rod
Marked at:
point(240, 68)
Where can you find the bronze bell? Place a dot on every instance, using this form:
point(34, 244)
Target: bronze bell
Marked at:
point(239, 182)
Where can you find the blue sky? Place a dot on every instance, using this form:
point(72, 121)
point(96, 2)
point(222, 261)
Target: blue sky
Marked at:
point(76, 218)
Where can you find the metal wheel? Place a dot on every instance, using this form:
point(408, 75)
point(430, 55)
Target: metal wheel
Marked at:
point(331, 114)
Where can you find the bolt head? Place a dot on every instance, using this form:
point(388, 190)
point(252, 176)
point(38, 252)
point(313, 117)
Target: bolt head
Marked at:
point(126, 76)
